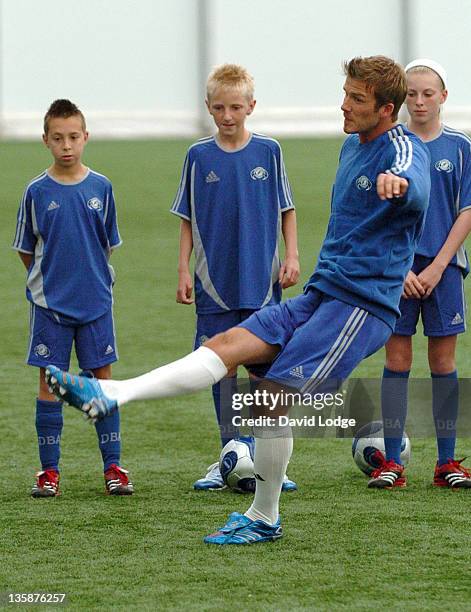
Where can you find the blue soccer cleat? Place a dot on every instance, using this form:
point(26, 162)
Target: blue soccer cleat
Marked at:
point(212, 481)
point(288, 485)
point(239, 529)
point(81, 392)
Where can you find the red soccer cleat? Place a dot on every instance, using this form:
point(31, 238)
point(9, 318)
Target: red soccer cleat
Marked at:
point(47, 484)
point(452, 475)
point(117, 481)
point(388, 476)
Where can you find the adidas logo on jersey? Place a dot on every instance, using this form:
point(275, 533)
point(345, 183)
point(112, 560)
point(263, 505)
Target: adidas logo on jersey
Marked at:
point(457, 319)
point(212, 177)
point(53, 205)
point(297, 372)
point(109, 350)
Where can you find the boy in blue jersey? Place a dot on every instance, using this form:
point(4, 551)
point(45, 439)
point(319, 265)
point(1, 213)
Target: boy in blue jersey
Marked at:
point(433, 287)
point(65, 234)
point(232, 199)
point(349, 306)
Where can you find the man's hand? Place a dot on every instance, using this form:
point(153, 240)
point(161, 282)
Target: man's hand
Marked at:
point(289, 272)
point(185, 288)
point(390, 186)
point(413, 287)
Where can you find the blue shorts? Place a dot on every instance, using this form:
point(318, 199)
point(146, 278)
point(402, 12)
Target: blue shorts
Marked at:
point(52, 336)
point(443, 312)
point(208, 325)
point(322, 339)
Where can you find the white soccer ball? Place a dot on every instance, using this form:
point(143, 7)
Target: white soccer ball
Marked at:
point(236, 465)
point(370, 439)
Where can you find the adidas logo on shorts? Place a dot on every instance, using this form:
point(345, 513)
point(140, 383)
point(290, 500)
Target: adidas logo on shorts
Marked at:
point(457, 319)
point(297, 372)
point(109, 349)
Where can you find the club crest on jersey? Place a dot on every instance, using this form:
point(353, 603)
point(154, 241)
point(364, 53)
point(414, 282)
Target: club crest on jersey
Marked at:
point(363, 183)
point(95, 204)
point(41, 350)
point(444, 165)
point(259, 174)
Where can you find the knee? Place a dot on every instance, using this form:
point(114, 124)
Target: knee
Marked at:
point(442, 364)
point(399, 358)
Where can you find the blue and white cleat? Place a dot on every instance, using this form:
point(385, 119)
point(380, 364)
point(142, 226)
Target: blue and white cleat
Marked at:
point(288, 485)
point(212, 481)
point(81, 392)
point(239, 529)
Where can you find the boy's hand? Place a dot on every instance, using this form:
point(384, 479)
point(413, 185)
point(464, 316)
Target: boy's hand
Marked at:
point(430, 277)
point(390, 186)
point(413, 287)
point(289, 272)
point(185, 288)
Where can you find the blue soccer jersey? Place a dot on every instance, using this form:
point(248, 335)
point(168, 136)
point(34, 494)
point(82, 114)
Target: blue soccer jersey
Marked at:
point(450, 193)
point(69, 229)
point(234, 200)
point(370, 242)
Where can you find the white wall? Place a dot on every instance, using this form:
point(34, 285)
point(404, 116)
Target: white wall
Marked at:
point(136, 66)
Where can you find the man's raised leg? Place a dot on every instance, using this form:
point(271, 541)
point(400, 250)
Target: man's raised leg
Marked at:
point(202, 368)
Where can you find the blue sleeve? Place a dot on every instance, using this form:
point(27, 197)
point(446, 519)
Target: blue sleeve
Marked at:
point(25, 240)
point(285, 197)
point(465, 178)
point(410, 159)
point(111, 221)
point(181, 205)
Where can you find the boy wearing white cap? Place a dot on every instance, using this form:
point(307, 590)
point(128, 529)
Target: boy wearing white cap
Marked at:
point(434, 286)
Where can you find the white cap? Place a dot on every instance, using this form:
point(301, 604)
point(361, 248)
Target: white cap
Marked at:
point(428, 63)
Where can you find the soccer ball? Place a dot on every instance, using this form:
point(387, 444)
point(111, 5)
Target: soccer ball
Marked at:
point(370, 439)
point(236, 465)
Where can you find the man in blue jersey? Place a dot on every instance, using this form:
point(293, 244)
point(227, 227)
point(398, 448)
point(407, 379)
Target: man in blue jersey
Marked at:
point(433, 287)
point(349, 306)
point(65, 233)
point(232, 199)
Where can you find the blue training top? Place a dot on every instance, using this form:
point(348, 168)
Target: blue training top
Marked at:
point(370, 243)
point(69, 228)
point(450, 170)
point(234, 201)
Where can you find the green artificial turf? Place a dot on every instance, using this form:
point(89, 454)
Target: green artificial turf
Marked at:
point(345, 547)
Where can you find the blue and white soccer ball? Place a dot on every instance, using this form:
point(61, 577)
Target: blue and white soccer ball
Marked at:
point(368, 441)
point(236, 465)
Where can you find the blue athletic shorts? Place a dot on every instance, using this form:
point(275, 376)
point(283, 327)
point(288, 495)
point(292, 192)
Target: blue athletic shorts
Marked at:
point(322, 339)
point(208, 325)
point(52, 336)
point(443, 312)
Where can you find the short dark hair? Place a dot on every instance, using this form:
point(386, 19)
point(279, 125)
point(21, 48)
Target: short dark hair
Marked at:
point(383, 75)
point(64, 109)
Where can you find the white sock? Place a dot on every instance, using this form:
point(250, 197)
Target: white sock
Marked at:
point(198, 370)
point(270, 462)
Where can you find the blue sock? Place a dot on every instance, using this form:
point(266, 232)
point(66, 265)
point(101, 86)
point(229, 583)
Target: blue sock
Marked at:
point(49, 424)
point(109, 439)
point(394, 410)
point(445, 399)
point(222, 396)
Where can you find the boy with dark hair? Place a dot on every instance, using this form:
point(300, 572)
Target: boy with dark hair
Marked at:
point(65, 233)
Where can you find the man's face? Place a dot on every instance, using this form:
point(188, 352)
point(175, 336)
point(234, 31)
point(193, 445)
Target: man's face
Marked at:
point(66, 140)
point(424, 96)
point(359, 108)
